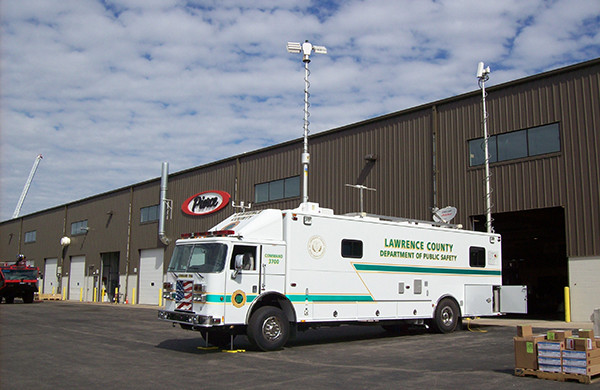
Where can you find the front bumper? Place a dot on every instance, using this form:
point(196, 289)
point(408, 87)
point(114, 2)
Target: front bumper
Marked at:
point(187, 318)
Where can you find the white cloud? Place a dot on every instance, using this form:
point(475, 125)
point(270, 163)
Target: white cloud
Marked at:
point(106, 90)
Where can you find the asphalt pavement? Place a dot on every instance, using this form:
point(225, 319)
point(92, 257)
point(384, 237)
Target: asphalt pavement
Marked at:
point(56, 344)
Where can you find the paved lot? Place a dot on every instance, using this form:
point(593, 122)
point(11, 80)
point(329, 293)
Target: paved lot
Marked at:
point(78, 345)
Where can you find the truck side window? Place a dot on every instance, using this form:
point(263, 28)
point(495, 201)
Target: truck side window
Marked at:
point(248, 254)
point(352, 249)
point(476, 256)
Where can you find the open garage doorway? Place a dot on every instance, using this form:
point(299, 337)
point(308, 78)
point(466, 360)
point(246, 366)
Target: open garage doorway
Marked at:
point(534, 253)
point(110, 276)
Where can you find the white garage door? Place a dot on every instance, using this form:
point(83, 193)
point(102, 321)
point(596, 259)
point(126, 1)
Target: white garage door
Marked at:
point(151, 275)
point(50, 280)
point(76, 277)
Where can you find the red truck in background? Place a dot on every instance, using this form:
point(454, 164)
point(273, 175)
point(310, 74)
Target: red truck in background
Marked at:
point(18, 280)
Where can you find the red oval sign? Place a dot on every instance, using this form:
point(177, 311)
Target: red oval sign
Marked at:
point(206, 202)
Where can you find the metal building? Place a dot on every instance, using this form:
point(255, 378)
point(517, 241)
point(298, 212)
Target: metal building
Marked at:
point(545, 139)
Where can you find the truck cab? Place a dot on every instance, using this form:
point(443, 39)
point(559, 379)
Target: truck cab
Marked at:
point(18, 281)
point(217, 280)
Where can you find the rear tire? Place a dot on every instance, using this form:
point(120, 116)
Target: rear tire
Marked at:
point(447, 316)
point(268, 328)
point(10, 299)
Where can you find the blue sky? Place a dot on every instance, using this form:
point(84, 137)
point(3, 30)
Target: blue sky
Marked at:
point(107, 90)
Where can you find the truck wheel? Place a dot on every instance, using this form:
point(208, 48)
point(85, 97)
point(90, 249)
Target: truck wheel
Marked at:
point(28, 297)
point(10, 299)
point(447, 316)
point(268, 328)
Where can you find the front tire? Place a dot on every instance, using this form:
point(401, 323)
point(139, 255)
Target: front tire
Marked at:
point(268, 328)
point(28, 297)
point(447, 316)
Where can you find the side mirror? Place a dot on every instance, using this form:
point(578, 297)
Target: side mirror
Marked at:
point(239, 263)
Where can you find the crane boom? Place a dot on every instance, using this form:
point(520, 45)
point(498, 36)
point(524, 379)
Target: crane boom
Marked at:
point(27, 184)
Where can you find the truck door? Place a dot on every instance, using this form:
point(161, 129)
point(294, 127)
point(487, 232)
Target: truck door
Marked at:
point(242, 282)
point(273, 268)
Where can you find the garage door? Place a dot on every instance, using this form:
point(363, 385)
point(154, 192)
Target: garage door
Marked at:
point(76, 277)
point(50, 280)
point(151, 275)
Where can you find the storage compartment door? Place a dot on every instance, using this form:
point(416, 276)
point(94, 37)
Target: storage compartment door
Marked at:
point(478, 300)
point(513, 299)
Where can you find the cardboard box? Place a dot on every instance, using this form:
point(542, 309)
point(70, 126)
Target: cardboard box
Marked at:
point(586, 333)
point(574, 362)
point(550, 368)
point(549, 353)
point(580, 344)
point(551, 361)
point(524, 330)
point(551, 345)
point(592, 354)
point(526, 351)
point(597, 342)
point(559, 335)
point(589, 370)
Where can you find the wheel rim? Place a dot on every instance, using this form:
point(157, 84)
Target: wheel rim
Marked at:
point(271, 328)
point(447, 316)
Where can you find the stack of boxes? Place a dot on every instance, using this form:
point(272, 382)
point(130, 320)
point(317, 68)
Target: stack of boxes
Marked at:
point(557, 351)
point(582, 354)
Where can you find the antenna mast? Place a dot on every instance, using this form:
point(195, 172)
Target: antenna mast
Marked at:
point(306, 49)
point(27, 184)
point(483, 76)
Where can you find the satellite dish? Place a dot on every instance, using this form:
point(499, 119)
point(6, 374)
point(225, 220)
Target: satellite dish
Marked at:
point(444, 215)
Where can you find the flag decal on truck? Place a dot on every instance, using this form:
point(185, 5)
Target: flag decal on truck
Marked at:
point(183, 294)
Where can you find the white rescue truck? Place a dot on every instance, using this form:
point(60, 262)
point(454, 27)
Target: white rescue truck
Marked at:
point(269, 273)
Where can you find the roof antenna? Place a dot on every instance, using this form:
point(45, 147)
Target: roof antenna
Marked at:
point(306, 49)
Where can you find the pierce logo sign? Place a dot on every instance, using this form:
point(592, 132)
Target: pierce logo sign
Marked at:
point(206, 202)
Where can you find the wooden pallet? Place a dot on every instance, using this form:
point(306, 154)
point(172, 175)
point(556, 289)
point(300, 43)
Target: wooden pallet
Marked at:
point(50, 297)
point(558, 376)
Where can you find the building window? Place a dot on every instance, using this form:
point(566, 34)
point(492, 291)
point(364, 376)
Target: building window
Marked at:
point(30, 236)
point(477, 256)
point(149, 214)
point(530, 142)
point(80, 227)
point(277, 189)
point(352, 249)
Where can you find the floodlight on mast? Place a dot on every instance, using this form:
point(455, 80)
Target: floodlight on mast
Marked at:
point(306, 49)
point(483, 76)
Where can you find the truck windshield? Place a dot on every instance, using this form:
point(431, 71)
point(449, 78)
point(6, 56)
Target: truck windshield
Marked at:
point(18, 274)
point(205, 258)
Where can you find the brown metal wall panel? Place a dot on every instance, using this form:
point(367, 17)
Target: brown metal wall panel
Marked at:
point(569, 178)
point(48, 226)
point(402, 175)
point(107, 217)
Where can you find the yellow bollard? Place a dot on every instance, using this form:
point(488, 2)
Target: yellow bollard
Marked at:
point(103, 293)
point(160, 297)
point(116, 294)
point(80, 294)
point(133, 297)
point(53, 290)
point(64, 294)
point(567, 305)
point(95, 294)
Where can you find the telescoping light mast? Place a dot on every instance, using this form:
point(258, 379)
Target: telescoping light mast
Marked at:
point(306, 49)
point(483, 76)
